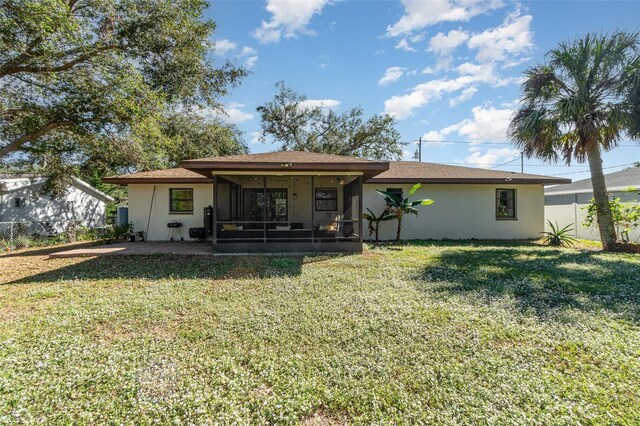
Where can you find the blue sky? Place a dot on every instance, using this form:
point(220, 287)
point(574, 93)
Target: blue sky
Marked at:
point(448, 70)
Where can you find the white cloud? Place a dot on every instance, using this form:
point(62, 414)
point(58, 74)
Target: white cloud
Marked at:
point(495, 49)
point(235, 114)
point(488, 124)
point(224, 46)
point(255, 137)
point(501, 43)
point(466, 95)
point(248, 51)
point(470, 76)
point(288, 19)
point(420, 14)
point(403, 44)
point(443, 44)
point(437, 136)
point(250, 56)
point(322, 103)
point(491, 157)
point(391, 75)
point(251, 61)
point(402, 106)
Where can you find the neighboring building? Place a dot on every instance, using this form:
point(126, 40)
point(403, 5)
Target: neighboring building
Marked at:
point(21, 200)
point(566, 204)
point(299, 201)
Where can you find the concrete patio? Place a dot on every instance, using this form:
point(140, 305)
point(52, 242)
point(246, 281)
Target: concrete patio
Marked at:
point(139, 249)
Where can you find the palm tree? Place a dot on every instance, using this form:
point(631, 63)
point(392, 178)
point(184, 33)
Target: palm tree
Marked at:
point(580, 103)
point(398, 206)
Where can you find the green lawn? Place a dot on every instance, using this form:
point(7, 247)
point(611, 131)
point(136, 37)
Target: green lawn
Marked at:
point(443, 332)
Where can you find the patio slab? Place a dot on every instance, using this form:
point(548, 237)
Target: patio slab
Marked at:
point(140, 249)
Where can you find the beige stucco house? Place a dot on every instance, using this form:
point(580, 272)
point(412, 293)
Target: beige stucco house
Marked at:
point(299, 201)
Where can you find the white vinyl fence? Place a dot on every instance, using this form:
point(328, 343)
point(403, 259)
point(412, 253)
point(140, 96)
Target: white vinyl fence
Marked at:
point(574, 214)
point(21, 235)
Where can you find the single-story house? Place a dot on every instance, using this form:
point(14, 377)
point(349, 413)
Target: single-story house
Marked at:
point(21, 200)
point(566, 204)
point(300, 201)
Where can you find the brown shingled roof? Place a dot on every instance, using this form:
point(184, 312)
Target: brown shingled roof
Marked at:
point(415, 172)
point(177, 175)
point(398, 171)
point(287, 161)
point(284, 156)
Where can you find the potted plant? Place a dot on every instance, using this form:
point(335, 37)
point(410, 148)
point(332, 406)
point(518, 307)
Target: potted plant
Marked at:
point(130, 235)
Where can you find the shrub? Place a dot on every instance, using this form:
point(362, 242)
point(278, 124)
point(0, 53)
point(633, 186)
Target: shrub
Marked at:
point(558, 237)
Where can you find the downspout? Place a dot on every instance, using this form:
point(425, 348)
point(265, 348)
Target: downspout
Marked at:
point(153, 194)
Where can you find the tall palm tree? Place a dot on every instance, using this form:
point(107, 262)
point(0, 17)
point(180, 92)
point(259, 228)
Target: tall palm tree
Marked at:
point(583, 101)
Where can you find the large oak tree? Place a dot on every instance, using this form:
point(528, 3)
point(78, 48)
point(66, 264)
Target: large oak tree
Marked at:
point(296, 125)
point(92, 79)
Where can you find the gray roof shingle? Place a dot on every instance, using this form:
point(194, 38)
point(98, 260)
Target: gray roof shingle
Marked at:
point(616, 180)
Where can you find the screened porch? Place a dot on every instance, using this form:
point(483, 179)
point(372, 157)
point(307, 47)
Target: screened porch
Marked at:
point(286, 213)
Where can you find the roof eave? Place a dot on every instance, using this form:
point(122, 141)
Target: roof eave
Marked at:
point(123, 180)
point(470, 181)
point(205, 168)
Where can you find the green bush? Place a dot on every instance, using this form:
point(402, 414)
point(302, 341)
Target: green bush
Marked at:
point(558, 237)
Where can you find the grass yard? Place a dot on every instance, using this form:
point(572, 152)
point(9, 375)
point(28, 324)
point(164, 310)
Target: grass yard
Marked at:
point(433, 332)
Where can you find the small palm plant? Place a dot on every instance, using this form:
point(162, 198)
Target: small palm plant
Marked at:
point(398, 206)
point(558, 237)
point(374, 221)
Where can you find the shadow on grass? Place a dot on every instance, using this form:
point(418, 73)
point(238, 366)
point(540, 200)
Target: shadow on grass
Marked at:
point(544, 281)
point(45, 250)
point(175, 267)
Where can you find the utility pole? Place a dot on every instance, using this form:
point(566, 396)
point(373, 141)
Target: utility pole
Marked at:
point(420, 150)
point(522, 162)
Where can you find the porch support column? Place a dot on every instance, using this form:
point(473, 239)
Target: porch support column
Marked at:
point(214, 213)
point(313, 209)
point(264, 208)
point(360, 207)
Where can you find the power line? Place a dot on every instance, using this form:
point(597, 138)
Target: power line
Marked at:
point(447, 142)
point(504, 164)
point(604, 168)
point(545, 165)
point(513, 165)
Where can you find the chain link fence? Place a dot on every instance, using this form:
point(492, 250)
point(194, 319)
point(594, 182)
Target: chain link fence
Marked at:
point(21, 235)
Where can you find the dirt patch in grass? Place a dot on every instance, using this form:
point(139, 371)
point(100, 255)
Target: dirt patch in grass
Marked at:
point(323, 417)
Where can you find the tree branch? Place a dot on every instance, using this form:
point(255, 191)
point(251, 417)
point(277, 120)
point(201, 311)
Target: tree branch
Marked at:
point(49, 126)
point(10, 70)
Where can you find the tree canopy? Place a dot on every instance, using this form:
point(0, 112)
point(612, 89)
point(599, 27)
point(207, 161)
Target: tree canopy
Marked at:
point(86, 81)
point(188, 136)
point(584, 100)
point(296, 125)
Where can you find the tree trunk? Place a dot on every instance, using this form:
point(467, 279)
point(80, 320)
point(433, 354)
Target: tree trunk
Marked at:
point(377, 229)
point(399, 230)
point(603, 209)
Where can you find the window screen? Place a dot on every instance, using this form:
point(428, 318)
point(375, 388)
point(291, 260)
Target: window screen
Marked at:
point(326, 199)
point(181, 200)
point(505, 203)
